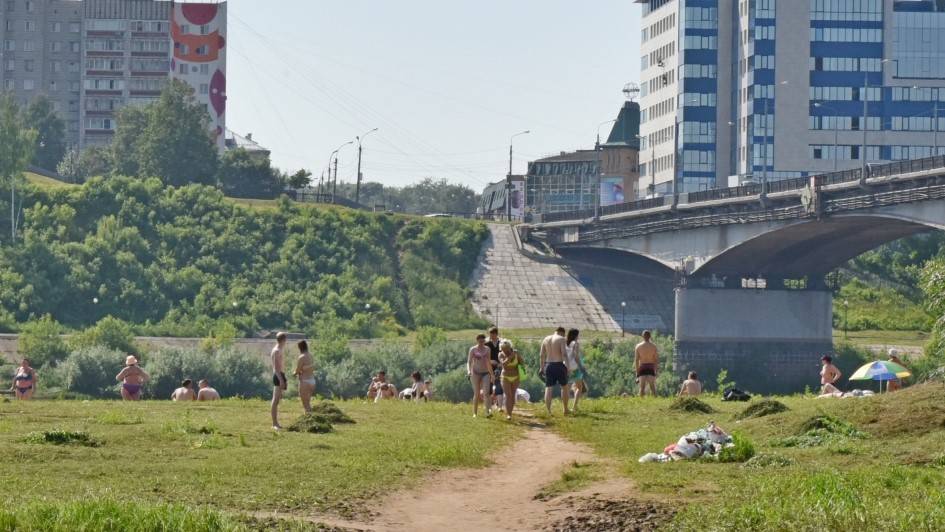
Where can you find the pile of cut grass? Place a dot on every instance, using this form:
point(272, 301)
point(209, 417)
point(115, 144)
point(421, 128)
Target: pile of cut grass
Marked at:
point(763, 408)
point(764, 461)
point(691, 404)
point(821, 430)
point(311, 423)
point(62, 437)
point(331, 412)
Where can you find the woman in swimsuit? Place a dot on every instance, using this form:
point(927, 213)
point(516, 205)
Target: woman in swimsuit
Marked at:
point(511, 361)
point(305, 371)
point(576, 366)
point(132, 378)
point(479, 372)
point(24, 381)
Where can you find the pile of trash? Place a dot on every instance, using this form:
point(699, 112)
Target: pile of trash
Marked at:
point(837, 394)
point(703, 442)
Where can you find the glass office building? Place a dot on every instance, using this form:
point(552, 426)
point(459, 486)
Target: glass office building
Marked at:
point(736, 90)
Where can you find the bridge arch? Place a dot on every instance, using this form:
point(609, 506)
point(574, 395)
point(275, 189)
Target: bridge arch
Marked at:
point(816, 247)
point(640, 262)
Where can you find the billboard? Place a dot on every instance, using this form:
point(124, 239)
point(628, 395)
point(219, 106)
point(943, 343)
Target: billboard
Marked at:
point(518, 199)
point(611, 191)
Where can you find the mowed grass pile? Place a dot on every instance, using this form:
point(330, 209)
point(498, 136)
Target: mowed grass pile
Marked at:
point(226, 456)
point(882, 470)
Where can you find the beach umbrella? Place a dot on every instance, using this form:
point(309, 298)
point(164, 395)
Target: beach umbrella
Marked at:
point(880, 370)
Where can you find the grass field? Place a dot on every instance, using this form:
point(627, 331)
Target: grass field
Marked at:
point(225, 456)
point(882, 338)
point(46, 182)
point(891, 479)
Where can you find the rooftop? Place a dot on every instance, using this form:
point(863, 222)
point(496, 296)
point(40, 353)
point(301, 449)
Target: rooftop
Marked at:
point(235, 141)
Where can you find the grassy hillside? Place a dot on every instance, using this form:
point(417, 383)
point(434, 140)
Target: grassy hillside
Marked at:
point(179, 261)
point(879, 468)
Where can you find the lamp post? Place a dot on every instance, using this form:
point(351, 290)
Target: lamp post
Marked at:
point(508, 179)
point(835, 131)
point(357, 187)
point(845, 305)
point(623, 328)
point(333, 155)
point(600, 170)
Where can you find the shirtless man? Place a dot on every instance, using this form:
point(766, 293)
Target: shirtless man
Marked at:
point(376, 382)
point(385, 391)
point(691, 387)
point(305, 371)
point(279, 384)
point(554, 370)
point(207, 393)
point(185, 392)
point(646, 361)
point(132, 378)
point(829, 375)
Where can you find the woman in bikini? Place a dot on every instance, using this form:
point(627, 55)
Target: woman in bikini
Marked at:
point(305, 371)
point(132, 378)
point(511, 362)
point(24, 381)
point(479, 372)
point(576, 367)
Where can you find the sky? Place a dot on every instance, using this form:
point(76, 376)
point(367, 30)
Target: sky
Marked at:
point(446, 82)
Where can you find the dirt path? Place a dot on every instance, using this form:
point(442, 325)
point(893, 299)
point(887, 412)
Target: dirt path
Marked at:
point(498, 497)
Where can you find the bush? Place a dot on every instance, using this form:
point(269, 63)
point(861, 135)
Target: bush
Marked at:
point(91, 371)
point(62, 437)
point(453, 386)
point(428, 337)
point(109, 332)
point(41, 342)
point(231, 372)
point(741, 450)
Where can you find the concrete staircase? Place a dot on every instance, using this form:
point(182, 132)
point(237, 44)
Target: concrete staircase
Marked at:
point(516, 291)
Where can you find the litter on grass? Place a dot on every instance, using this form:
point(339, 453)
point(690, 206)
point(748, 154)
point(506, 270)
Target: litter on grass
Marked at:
point(707, 442)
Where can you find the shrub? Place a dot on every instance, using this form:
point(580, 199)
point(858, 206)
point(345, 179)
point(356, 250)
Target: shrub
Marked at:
point(62, 437)
point(41, 342)
point(231, 372)
point(7, 322)
point(741, 450)
point(109, 332)
point(91, 371)
point(453, 386)
point(428, 337)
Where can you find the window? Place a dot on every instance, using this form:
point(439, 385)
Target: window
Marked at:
point(859, 10)
point(11, 5)
point(149, 26)
point(55, 46)
point(185, 28)
point(204, 88)
point(55, 27)
point(763, 33)
point(182, 68)
point(764, 61)
point(55, 66)
point(184, 49)
point(28, 46)
point(29, 65)
point(52, 87)
point(105, 124)
point(698, 161)
point(698, 132)
point(107, 84)
point(74, 46)
point(846, 64)
point(30, 25)
point(764, 8)
point(104, 64)
point(205, 29)
point(9, 45)
point(73, 66)
point(699, 71)
point(74, 86)
point(105, 45)
point(29, 84)
point(703, 18)
point(8, 84)
point(700, 42)
point(150, 65)
point(29, 6)
point(205, 69)
point(8, 25)
point(105, 24)
point(846, 34)
point(697, 99)
point(203, 50)
point(147, 84)
point(150, 45)
point(11, 65)
point(74, 27)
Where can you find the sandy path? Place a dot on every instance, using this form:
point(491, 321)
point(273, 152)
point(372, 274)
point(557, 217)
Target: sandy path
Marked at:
point(498, 497)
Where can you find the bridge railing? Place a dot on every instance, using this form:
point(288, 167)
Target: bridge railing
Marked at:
point(754, 189)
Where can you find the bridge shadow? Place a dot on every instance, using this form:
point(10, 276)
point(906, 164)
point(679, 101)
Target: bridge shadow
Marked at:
point(613, 277)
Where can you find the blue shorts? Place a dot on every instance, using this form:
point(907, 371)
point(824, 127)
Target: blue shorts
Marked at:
point(556, 373)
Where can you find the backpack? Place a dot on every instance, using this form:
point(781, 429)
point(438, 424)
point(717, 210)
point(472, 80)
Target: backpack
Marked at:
point(734, 394)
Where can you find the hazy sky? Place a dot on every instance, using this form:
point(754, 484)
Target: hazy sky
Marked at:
point(447, 82)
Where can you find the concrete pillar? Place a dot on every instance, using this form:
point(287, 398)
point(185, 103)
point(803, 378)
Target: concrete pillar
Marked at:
point(769, 341)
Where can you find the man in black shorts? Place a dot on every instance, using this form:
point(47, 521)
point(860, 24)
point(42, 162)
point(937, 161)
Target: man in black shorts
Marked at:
point(554, 370)
point(493, 344)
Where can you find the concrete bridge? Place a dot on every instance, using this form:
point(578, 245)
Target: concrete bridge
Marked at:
point(750, 263)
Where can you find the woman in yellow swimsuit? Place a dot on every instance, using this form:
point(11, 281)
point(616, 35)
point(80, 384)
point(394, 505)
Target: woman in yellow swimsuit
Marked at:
point(511, 362)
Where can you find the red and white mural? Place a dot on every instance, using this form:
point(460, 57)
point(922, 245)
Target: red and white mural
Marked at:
point(198, 32)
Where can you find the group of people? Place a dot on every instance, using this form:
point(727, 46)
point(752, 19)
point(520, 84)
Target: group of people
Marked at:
point(186, 391)
point(304, 372)
point(419, 389)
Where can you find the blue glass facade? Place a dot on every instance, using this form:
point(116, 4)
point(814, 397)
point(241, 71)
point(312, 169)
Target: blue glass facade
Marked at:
point(698, 94)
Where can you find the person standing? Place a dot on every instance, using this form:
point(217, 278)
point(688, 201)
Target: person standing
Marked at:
point(305, 371)
point(24, 381)
point(493, 344)
point(576, 367)
point(479, 373)
point(185, 392)
point(510, 362)
point(207, 393)
point(132, 379)
point(554, 370)
point(895, 384)
point(279, 384)
point(829, 375)
point(646, 361)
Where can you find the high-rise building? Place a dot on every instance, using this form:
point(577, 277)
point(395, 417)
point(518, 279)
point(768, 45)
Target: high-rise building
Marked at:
point(770, 89)
point(92, 57)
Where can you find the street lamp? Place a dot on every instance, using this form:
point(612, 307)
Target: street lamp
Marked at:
point(623, 328)
point(845, 310)
point(335, 182)
point(600, 170)
point(357, 187)
point(836, 129)
point(508, 179)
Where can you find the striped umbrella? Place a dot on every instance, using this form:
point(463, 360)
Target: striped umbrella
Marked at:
point(880, 370)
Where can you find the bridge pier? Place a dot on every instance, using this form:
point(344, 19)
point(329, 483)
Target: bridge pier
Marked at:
point(769, 340)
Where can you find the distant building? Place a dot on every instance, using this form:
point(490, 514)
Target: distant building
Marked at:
point(235, 141)
point(93, 57)
point(569, 181)
point(493, 201)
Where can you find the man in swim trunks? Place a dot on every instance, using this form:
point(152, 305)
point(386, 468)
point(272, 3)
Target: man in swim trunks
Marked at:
point(305, 371)
point(646, 361)
point(24, 381)
point(554, 369)
point(185, 392)
point(132, 379)
point(493, 344)
point(207, 393)
point(279, 384)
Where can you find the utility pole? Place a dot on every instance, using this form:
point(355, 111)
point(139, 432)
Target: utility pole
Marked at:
point(357, 187)
point(334, 186)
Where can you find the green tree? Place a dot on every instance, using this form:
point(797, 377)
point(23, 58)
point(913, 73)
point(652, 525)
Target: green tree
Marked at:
point(132, 122)
point(78, 166)
point(50, 144)
point(177, 145)
point(300, 179)
point(41, 342)
point(17, 144)
point(244, 176)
